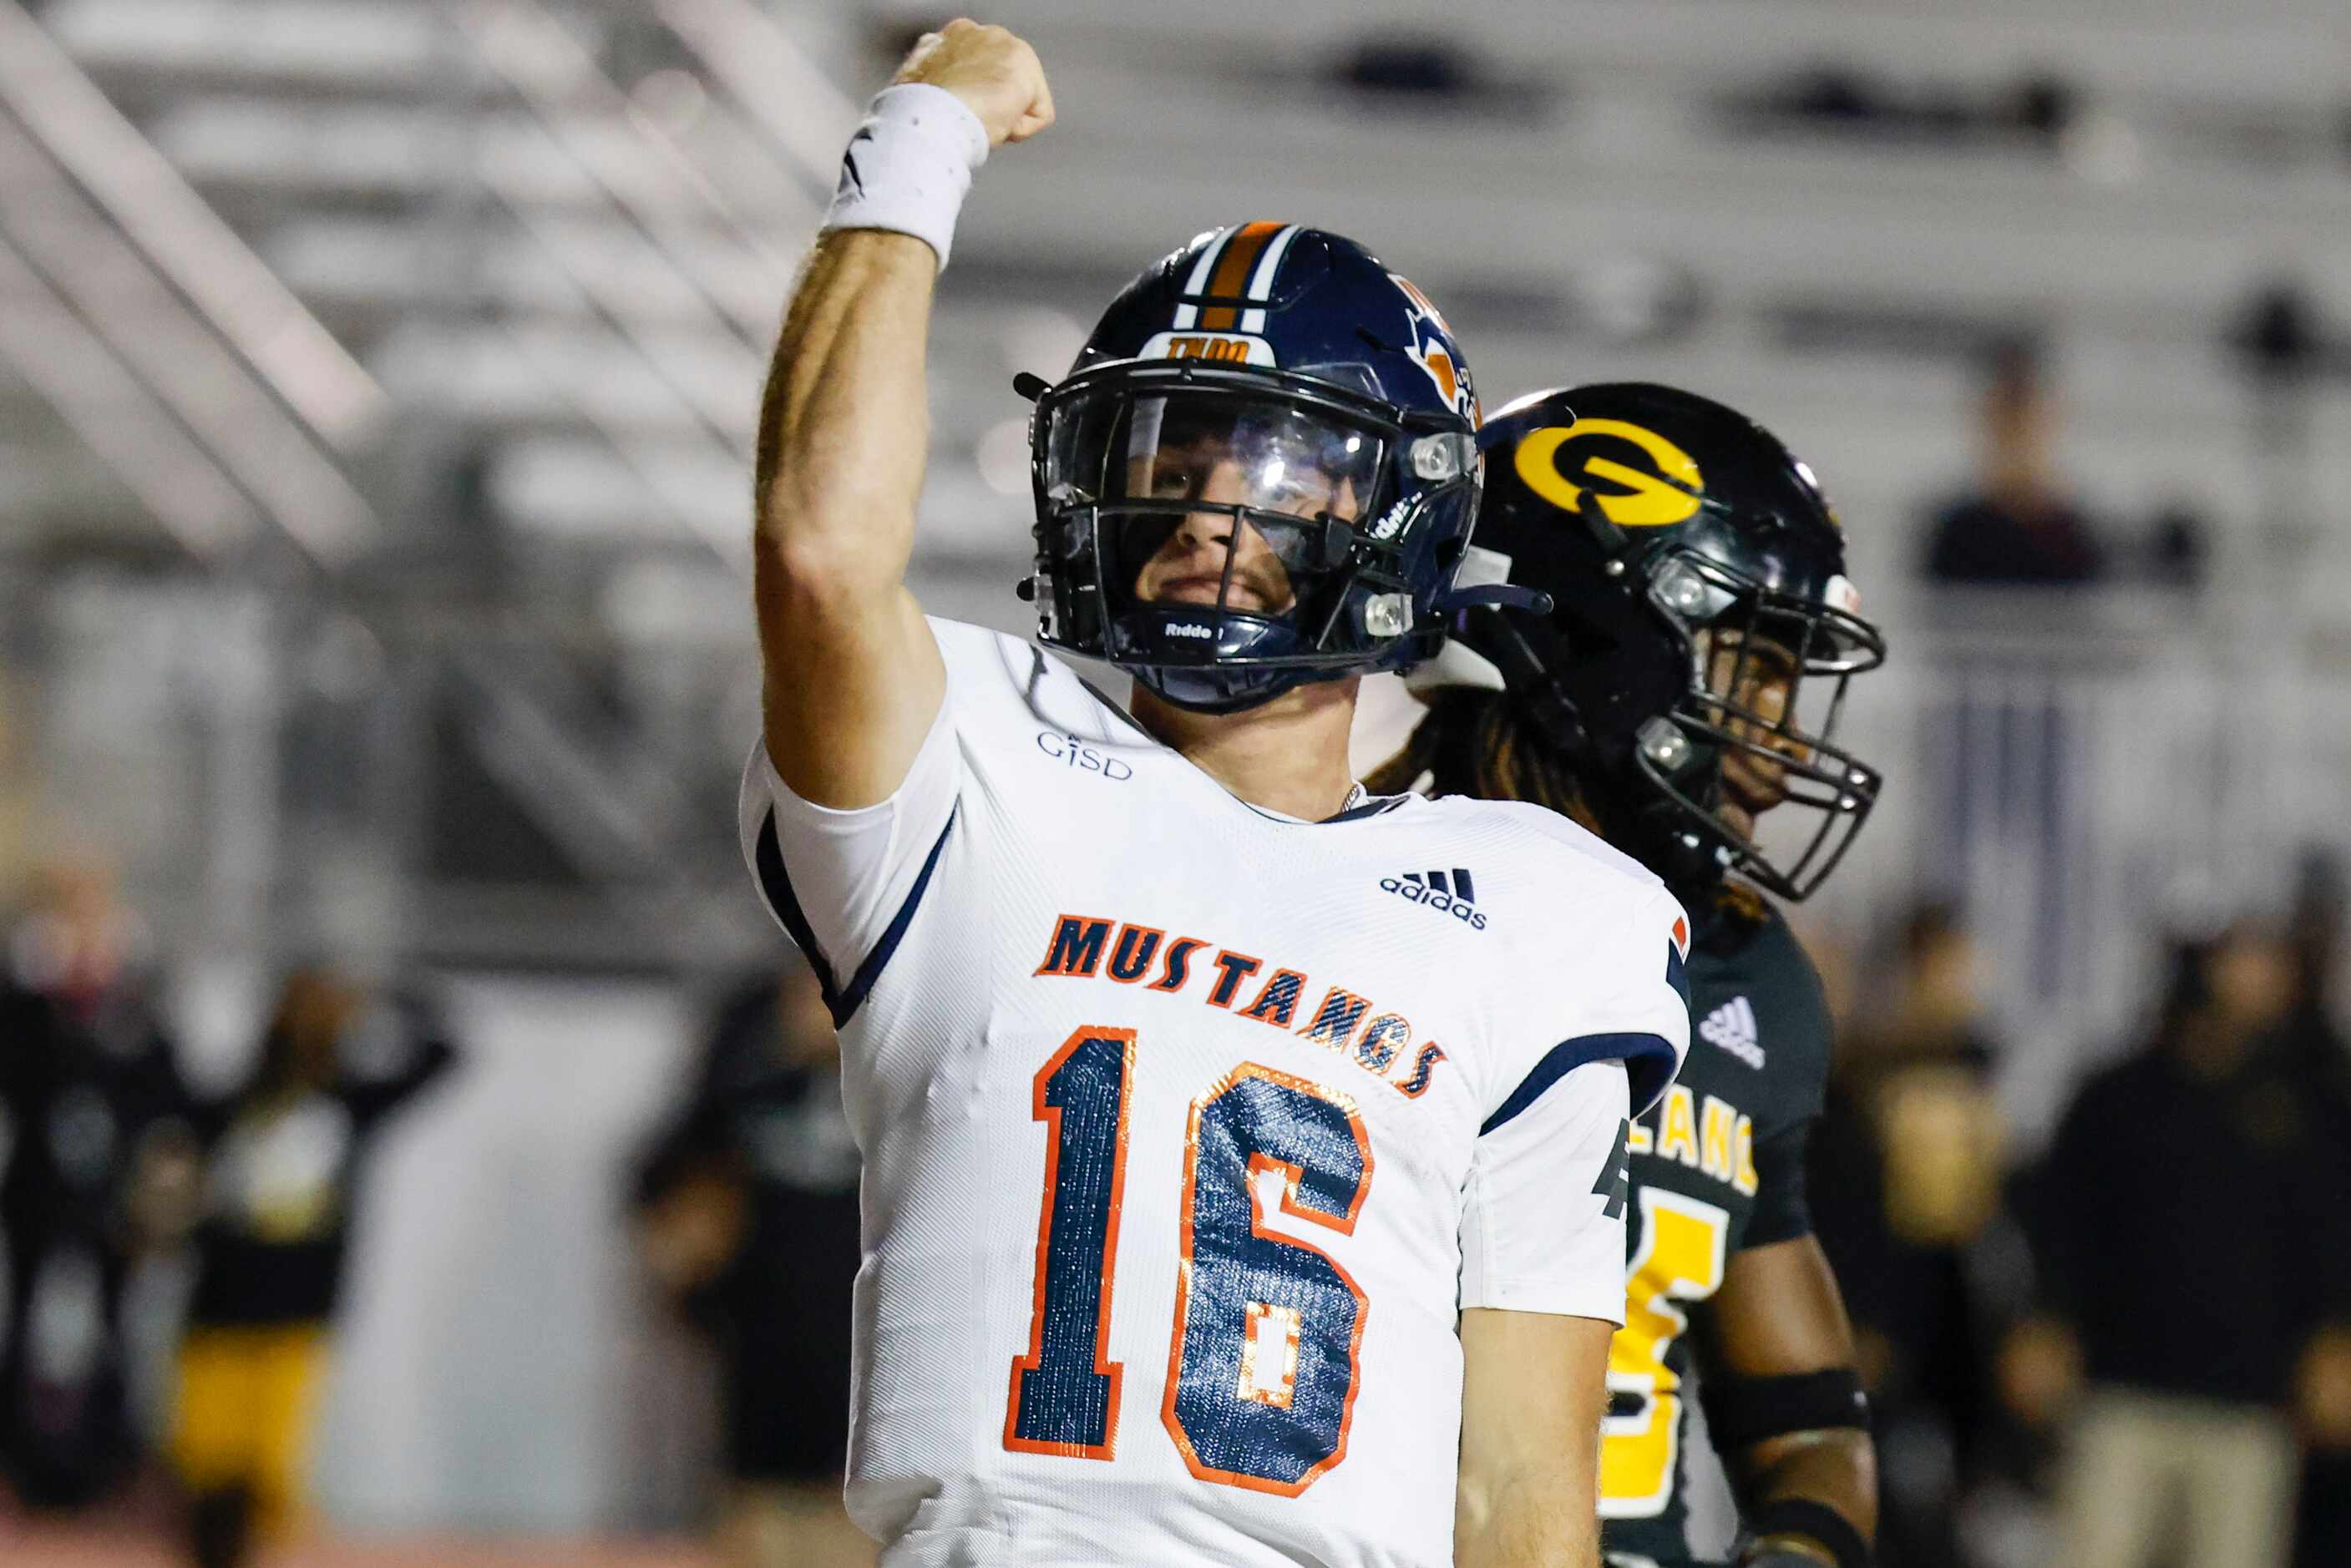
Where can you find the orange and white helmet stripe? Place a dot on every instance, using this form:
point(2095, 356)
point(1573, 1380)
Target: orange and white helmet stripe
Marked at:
point(1239, 265)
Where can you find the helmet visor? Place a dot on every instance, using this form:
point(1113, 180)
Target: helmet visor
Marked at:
point(1262, 456)
point(1209, 498)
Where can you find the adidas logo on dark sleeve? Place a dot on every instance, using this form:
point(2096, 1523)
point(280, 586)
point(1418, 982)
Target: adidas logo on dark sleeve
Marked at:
point(1731, 1026)
point(1448, 892)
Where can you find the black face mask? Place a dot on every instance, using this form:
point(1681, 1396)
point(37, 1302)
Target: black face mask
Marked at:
point(1753, 733)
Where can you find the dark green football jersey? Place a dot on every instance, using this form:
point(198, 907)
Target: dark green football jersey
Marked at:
point(1717, 1166)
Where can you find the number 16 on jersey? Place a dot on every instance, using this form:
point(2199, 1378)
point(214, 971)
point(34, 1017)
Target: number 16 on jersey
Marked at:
point(1266, 1346)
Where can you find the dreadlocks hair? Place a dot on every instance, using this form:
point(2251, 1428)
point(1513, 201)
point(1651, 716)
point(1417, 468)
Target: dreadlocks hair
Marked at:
point(1473, 742)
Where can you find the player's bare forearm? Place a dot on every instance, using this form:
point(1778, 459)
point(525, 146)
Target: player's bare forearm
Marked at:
point(1780, 1315)
point(843, 424)
point(1835, 1467)
point(1528, 1522)
point(1533, 1388)
point(852, 675)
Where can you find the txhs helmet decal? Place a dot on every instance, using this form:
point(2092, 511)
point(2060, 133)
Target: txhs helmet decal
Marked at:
point(1428, 348)
point(1668, 490)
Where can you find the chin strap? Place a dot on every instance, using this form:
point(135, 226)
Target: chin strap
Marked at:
point(1495, 596)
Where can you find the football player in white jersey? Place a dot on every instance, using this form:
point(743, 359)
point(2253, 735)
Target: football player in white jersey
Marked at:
point(1244, 1157)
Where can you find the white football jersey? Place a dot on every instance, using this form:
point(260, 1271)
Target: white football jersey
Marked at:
point(1189, 1129)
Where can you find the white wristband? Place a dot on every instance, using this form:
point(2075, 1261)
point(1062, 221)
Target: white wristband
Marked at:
point(909, 164)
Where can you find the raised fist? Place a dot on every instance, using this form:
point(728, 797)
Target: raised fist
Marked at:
point(997, 74)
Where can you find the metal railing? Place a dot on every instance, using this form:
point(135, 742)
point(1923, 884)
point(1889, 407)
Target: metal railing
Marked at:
point(184, 309)
point(197, 377)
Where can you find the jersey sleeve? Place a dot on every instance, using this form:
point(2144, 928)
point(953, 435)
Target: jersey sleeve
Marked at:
point(1803, 1032)
point(1625, 998)
point(1542, 1223)
point(1781, 1214)
point(843, 884)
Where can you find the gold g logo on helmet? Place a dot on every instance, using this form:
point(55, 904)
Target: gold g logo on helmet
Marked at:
point(1655, 497)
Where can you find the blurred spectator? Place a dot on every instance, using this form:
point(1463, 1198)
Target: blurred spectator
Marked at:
point(1906, 1177)
point(2020, 527)
point(98, 1159)
point(281, 1168)
point(2178, 546)
point(2315, 934)
point(747, 1218)
point(2195, 1237)
point(2004, 740)
point(2320, 1061)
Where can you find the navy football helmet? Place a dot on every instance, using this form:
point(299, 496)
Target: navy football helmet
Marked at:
point(1261, 470)
point(1703, 635)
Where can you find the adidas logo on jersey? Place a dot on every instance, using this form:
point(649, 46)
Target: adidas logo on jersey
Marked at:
point(1731, 1026)
point(1448, 894)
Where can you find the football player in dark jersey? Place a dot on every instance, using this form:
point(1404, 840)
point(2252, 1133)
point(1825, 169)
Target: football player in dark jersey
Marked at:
point(1686, 681)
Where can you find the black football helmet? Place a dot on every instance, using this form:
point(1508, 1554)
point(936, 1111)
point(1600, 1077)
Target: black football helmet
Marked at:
point(1265, 383)
point(1703, 632)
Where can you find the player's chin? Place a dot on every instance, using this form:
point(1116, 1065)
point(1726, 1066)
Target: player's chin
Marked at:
point(1748, 791)
point(1208, 594)
point(1752, 785)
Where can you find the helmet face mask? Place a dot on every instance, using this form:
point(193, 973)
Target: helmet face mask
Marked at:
point(1226, 524)
point(1214, 531)
point(1695, 669)
point(1747, 755)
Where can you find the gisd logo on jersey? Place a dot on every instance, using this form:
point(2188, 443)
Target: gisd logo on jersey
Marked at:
point(1660, 486)
point(1227, 348)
